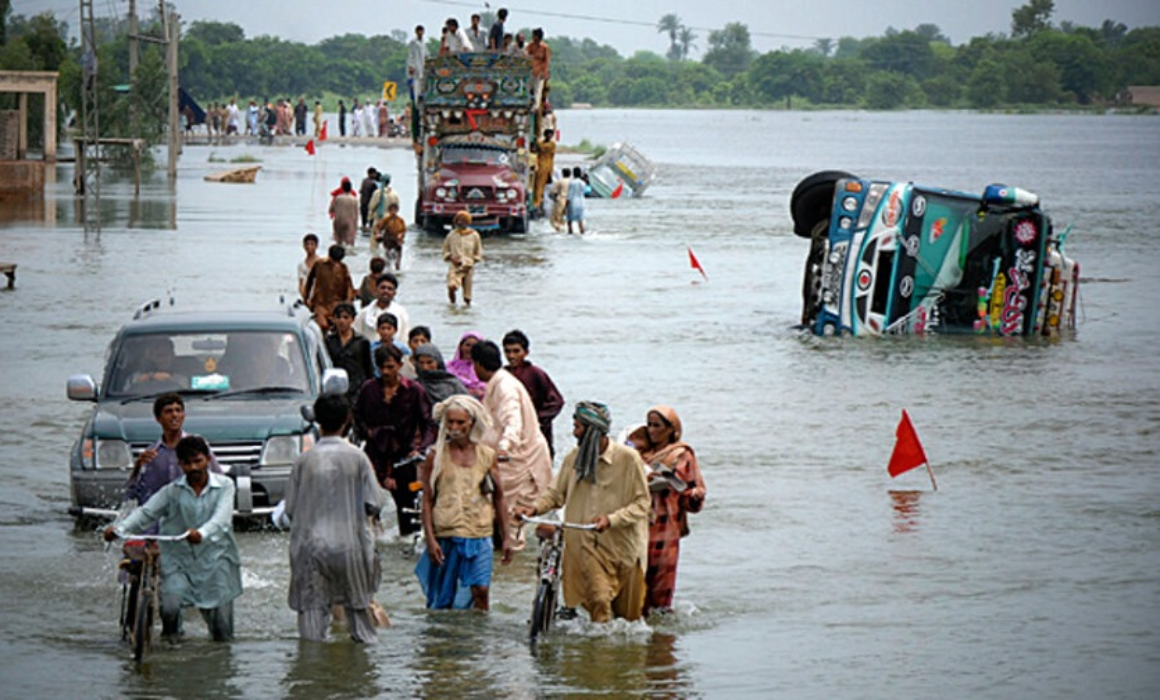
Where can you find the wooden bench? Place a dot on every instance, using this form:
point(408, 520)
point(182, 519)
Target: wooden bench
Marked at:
point(9, 269)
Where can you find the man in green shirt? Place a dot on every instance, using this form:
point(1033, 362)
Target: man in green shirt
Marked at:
point(203, 570)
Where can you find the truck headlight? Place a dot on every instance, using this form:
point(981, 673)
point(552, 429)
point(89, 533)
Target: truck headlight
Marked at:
point(281, 449)
point(113, 454)
point(441, 193)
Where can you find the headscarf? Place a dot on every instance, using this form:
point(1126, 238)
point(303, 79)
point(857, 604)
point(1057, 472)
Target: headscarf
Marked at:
point(663, 453)
point(439, 383)
point(670, 415)
point(463, 367)
point(462, 217)
point(344, 181)
point(481, 423)
point(596, 419)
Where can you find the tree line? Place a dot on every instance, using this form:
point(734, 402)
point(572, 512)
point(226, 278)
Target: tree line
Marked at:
point(1039, 64)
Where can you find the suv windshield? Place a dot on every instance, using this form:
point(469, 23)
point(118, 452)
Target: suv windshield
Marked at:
point(453, 155)
point(234, 362)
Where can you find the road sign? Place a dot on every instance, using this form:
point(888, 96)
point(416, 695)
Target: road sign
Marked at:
point(389, 90)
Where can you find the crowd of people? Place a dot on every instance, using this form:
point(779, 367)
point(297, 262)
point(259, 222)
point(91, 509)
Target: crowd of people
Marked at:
point(266, 119)
point(466, 443)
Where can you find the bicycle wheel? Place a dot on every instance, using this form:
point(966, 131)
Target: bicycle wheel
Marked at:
point(143, 619)
point(543, 610)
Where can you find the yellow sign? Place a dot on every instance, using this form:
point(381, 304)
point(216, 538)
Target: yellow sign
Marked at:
point(389, 89)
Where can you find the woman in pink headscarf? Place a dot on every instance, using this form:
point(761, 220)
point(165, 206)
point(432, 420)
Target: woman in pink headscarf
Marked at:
point(463, 368)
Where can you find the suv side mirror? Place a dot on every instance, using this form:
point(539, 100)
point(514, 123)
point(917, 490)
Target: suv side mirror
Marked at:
point(307, 412)
point(335, 381)
point(81, 387)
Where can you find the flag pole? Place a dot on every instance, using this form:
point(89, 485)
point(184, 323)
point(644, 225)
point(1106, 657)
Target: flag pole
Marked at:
point(933, 483)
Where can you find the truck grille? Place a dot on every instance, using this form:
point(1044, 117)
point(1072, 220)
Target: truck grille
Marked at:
point(479, 194)
point(228, 454)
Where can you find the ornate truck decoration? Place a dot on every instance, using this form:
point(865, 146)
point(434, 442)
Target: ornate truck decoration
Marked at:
point(895, 257)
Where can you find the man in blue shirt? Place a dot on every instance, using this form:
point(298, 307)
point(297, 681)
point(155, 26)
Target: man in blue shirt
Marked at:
point(203, 570)
point(157, 465)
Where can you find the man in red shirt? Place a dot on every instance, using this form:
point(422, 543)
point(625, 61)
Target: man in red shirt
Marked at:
point(546, 398)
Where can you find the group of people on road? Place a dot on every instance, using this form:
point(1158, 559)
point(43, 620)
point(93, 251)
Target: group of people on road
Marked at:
point(472, 441)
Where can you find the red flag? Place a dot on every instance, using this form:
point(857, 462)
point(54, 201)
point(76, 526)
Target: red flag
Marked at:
point(310, 146)
point(322, 132)
point(696, 264)
point(618, 191)
point(908, 452)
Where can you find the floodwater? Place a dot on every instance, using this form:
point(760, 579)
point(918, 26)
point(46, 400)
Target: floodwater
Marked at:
point(1033, 571)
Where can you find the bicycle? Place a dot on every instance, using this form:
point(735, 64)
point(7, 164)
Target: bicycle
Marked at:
point(548, 563)
point(140, 575)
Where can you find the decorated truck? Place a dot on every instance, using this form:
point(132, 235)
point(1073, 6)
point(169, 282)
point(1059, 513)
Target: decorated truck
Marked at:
point(896, 257)
point(474, 129)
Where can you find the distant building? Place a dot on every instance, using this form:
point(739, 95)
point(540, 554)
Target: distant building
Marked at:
point(1143, 95)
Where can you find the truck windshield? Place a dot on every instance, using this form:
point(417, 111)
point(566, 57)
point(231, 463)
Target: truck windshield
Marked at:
point(213, 362)
point(473, 155)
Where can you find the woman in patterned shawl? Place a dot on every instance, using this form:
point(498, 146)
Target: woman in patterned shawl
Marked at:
point(677, 490)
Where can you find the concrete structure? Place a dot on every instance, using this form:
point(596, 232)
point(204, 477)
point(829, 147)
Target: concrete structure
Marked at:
point(23, 83)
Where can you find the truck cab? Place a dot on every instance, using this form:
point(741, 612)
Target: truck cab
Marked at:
point(475, 126)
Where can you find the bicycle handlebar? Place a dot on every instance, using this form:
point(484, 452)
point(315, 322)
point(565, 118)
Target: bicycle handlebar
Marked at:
point(158, 538)
point(556, 523)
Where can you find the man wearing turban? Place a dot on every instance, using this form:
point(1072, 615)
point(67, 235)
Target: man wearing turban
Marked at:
point(603, 483)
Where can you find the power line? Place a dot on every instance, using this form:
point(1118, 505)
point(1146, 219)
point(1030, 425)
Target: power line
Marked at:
point(614, 20)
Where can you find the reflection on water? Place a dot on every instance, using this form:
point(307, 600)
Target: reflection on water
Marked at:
point(906, 511)
point(341, 669)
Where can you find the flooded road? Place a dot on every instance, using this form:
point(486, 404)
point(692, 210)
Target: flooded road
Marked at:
point(1032, 572)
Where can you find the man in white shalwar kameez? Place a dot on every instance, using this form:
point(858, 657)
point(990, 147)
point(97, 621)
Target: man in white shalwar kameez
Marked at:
point(333, 561)
point(525, 463)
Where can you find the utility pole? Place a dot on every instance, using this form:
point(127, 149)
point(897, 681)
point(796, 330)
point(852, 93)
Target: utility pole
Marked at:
point(133, 42)
point(87, 180)
point(172, 33)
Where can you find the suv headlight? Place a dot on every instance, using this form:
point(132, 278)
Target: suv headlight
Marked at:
point(113, 454)
point(281, 449)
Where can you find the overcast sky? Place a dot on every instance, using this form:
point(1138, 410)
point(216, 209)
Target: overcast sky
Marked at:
point(627, 26)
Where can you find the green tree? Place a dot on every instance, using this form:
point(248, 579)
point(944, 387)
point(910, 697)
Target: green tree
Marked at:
point(779, 75)
point(1137, 59)
point(890, 90)
point(1084, 70)
point(588, 88)
point(848, 47)
point(904, 52)
point(1032, 18)
point(671, 24)
point(730, 50)
point(824, 47)
point(931, 33)
point(987, 86)
point(43, 37)
point(843, 81)
point(687, 39)
point(942, 90)
point(215, 33)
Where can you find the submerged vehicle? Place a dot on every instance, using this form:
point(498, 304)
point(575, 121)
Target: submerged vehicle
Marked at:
point(474, 127)
point(621, 170)
point(244, 377)
point(895, 257)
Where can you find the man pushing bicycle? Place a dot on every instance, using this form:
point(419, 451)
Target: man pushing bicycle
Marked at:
point(603, 483)
point(204, 569)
